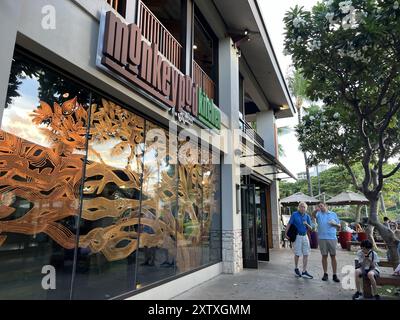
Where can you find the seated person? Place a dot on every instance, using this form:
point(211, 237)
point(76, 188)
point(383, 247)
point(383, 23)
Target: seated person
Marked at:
point(359, 228)
point(346, 228)
point(397, 271)
point(366, 266)
point(386, 222)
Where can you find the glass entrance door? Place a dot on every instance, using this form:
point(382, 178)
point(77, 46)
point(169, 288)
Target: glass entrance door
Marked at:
point(249, 224)
point(262, 230)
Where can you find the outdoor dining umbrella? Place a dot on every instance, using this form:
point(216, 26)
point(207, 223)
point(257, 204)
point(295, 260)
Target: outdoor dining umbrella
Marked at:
point(298, 197)
point(348, 197)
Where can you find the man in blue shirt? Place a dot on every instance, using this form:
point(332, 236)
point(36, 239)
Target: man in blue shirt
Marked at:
point(328, 224)
point(301, 220)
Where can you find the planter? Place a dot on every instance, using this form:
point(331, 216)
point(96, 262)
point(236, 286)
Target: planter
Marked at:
point(344, 236)
point(314, 240)
point(362, 236)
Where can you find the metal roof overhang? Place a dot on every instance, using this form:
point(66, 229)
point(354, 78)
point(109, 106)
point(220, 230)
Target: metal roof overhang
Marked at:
point(273, 160)
point(264, 163)
point(259, 54)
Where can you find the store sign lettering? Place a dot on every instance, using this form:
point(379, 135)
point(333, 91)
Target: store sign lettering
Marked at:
point(126, 53)
point(208, 113)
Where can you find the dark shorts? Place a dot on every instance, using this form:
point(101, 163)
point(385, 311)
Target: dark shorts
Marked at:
point(365, 274)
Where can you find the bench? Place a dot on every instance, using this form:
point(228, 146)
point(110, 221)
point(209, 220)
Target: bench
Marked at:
point(384, 279)
point(357, 243)
point(385, 264)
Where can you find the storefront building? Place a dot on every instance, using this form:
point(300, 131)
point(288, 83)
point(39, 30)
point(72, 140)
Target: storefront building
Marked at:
point(119, 174)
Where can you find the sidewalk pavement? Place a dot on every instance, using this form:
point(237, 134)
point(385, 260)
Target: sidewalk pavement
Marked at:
point(275, 280)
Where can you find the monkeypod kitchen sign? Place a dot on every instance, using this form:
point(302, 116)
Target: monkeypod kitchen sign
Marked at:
point(124, 53)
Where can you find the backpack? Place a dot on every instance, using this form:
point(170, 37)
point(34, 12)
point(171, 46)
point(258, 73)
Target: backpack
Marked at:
point(292, 233)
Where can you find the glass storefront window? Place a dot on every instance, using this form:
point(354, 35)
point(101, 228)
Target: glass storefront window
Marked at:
point(190, 207)
point(42, 147)
point(211, 217)
point(92, 200)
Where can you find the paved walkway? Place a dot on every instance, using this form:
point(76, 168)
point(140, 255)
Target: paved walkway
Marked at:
point(276, 280)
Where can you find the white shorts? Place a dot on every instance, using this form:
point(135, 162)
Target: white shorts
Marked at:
point(302, 246)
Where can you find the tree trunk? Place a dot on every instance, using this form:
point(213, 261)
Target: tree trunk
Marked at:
point(370, 233)
point(382, 201)
point(310, 192)
point(305, 159)
point(358, 214)
point(386, 234)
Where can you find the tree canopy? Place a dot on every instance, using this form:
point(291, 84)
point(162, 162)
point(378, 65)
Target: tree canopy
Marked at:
point(349, 53)
point(334, 46)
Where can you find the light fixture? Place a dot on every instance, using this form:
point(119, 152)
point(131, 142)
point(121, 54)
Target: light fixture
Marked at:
point(239, 36)
point(194, 47)
point(238, 205)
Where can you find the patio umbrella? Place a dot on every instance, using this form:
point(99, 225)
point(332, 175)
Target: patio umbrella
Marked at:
point(348, 197)
point(298, 197)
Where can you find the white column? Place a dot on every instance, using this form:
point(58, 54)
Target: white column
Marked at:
point(187, 52)
point(9, 20)
point(229, 104)
point(266, 123)
point(275, 215)
point(266, 129)
point(131, 9)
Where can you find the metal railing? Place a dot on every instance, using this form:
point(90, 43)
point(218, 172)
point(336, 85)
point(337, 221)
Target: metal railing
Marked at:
point(251, 133)
point(203, 81)
point(154, 31)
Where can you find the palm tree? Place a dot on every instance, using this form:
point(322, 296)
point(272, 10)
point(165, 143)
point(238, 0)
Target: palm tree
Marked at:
point(281, 132)
point(298, 86)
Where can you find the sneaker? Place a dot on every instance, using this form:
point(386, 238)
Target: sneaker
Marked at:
point(357, 295)
point(335, 278)
point(377, 297)
point(297, 272)
point(325, 277)
point(306, 275)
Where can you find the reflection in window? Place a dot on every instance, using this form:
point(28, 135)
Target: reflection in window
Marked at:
point(42, 144)
point(190, 208)
point(204, 46)
point(211, 216)
point(157, 255)
point(110, 214)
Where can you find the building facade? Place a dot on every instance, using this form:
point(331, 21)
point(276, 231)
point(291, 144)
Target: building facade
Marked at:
point(138, 152)
point(314, 171)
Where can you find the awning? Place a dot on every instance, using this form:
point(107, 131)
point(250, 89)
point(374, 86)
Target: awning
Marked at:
point(272, 159)
point(264, 163)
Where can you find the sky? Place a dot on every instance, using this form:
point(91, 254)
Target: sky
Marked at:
point(273, 12)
